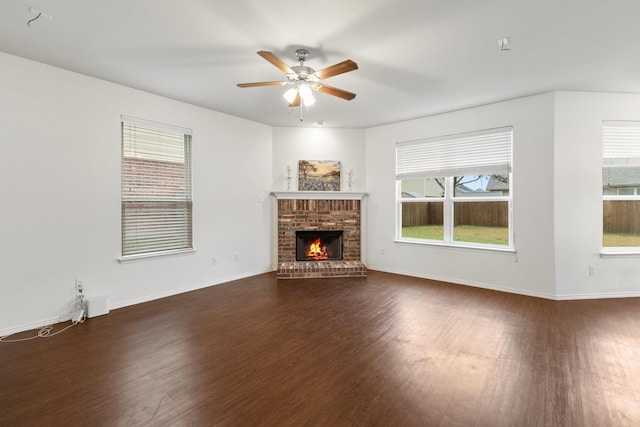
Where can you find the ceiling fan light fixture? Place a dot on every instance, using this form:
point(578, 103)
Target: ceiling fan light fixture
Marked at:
point(307, 95)
point(290, 95)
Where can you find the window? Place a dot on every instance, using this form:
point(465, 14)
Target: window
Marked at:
point(456, 189)
point(621, 184)
point(156, 188)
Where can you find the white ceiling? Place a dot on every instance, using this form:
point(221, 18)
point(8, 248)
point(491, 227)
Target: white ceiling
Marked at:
point(415, 57)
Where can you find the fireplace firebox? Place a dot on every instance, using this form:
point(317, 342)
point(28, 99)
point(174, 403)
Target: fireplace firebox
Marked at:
point(318, 245)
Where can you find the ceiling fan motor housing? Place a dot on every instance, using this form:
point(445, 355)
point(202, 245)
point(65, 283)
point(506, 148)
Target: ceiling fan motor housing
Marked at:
point(302, 73)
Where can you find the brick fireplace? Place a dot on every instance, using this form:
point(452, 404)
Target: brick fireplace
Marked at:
point(319, 211)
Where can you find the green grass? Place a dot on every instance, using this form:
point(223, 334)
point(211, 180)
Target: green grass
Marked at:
point(620, 240)
point(500, 235)
point(461, 233)
point(430, 232)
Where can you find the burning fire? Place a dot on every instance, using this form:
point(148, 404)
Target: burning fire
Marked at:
point(317, 251)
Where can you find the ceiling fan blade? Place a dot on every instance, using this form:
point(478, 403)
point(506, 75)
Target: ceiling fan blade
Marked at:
point(262, 84)
point(340, 93)
point(334, 70)
point(296, 100)
point(276, 61)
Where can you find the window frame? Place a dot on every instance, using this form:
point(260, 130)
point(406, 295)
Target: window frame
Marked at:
point(619, 151)
point(177, 233)
point(449, 201)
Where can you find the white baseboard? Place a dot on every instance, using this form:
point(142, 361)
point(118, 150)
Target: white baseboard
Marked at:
point(40, 323)
point(556, 297)
point(467, 283)
point(179, 291)
point(599, 295)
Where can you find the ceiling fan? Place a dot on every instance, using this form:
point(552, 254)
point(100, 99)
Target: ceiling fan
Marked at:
point(305, 79)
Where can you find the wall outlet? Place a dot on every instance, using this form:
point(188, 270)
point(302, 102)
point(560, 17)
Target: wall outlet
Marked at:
point(592, 270)
point(381, 251)
point(236, 257)
point(214, 261)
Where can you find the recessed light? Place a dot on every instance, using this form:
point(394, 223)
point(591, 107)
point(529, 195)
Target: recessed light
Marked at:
point(319, 123)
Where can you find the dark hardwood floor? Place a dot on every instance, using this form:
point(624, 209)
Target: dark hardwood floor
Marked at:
point(384, 350)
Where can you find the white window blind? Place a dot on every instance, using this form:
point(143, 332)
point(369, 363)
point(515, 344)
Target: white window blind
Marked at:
point(621, 143)
point(472, 153)
point(156, 188)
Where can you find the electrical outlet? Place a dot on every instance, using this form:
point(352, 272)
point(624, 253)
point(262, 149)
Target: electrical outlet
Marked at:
point(381, 251)
point(236, 257)
point(214, 261)
point(592, 270)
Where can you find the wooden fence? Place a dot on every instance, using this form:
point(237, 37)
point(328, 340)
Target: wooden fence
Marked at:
point(621, 216)
point(483, 214)
point(421, 214)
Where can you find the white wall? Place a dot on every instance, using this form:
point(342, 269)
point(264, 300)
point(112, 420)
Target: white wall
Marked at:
point(61, 197)
point(557, 199)
point(578, 197)
point(293, 144)
point(530, 271)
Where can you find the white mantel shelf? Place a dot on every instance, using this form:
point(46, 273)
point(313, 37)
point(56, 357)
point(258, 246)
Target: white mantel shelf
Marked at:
point(318, 195)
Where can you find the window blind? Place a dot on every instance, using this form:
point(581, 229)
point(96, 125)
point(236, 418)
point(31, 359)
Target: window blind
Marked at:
point(621, 143)
point(472, 153)
point(156, 188)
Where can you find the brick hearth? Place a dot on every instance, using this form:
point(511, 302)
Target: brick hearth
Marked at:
point(303, 269)
point(299, 213)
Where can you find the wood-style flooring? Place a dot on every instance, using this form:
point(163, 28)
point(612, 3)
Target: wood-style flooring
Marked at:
point(385, 350)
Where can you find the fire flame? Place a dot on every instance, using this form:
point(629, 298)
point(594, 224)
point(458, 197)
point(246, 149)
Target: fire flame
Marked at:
point(317, 251)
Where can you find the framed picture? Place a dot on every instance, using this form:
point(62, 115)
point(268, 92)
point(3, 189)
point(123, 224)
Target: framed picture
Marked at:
point(318, 175)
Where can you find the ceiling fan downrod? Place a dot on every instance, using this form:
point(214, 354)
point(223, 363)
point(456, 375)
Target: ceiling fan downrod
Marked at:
point(302, 72)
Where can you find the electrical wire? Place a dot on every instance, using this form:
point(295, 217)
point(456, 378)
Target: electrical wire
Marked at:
point(31, 20)
point(47, 331)
point(44, 332)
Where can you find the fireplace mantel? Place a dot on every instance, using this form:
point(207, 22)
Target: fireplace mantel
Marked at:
point(318, 195)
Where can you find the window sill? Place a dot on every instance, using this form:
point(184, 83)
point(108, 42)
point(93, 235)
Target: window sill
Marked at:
point(504, 250)
point(620, 253)
point(141, 257)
